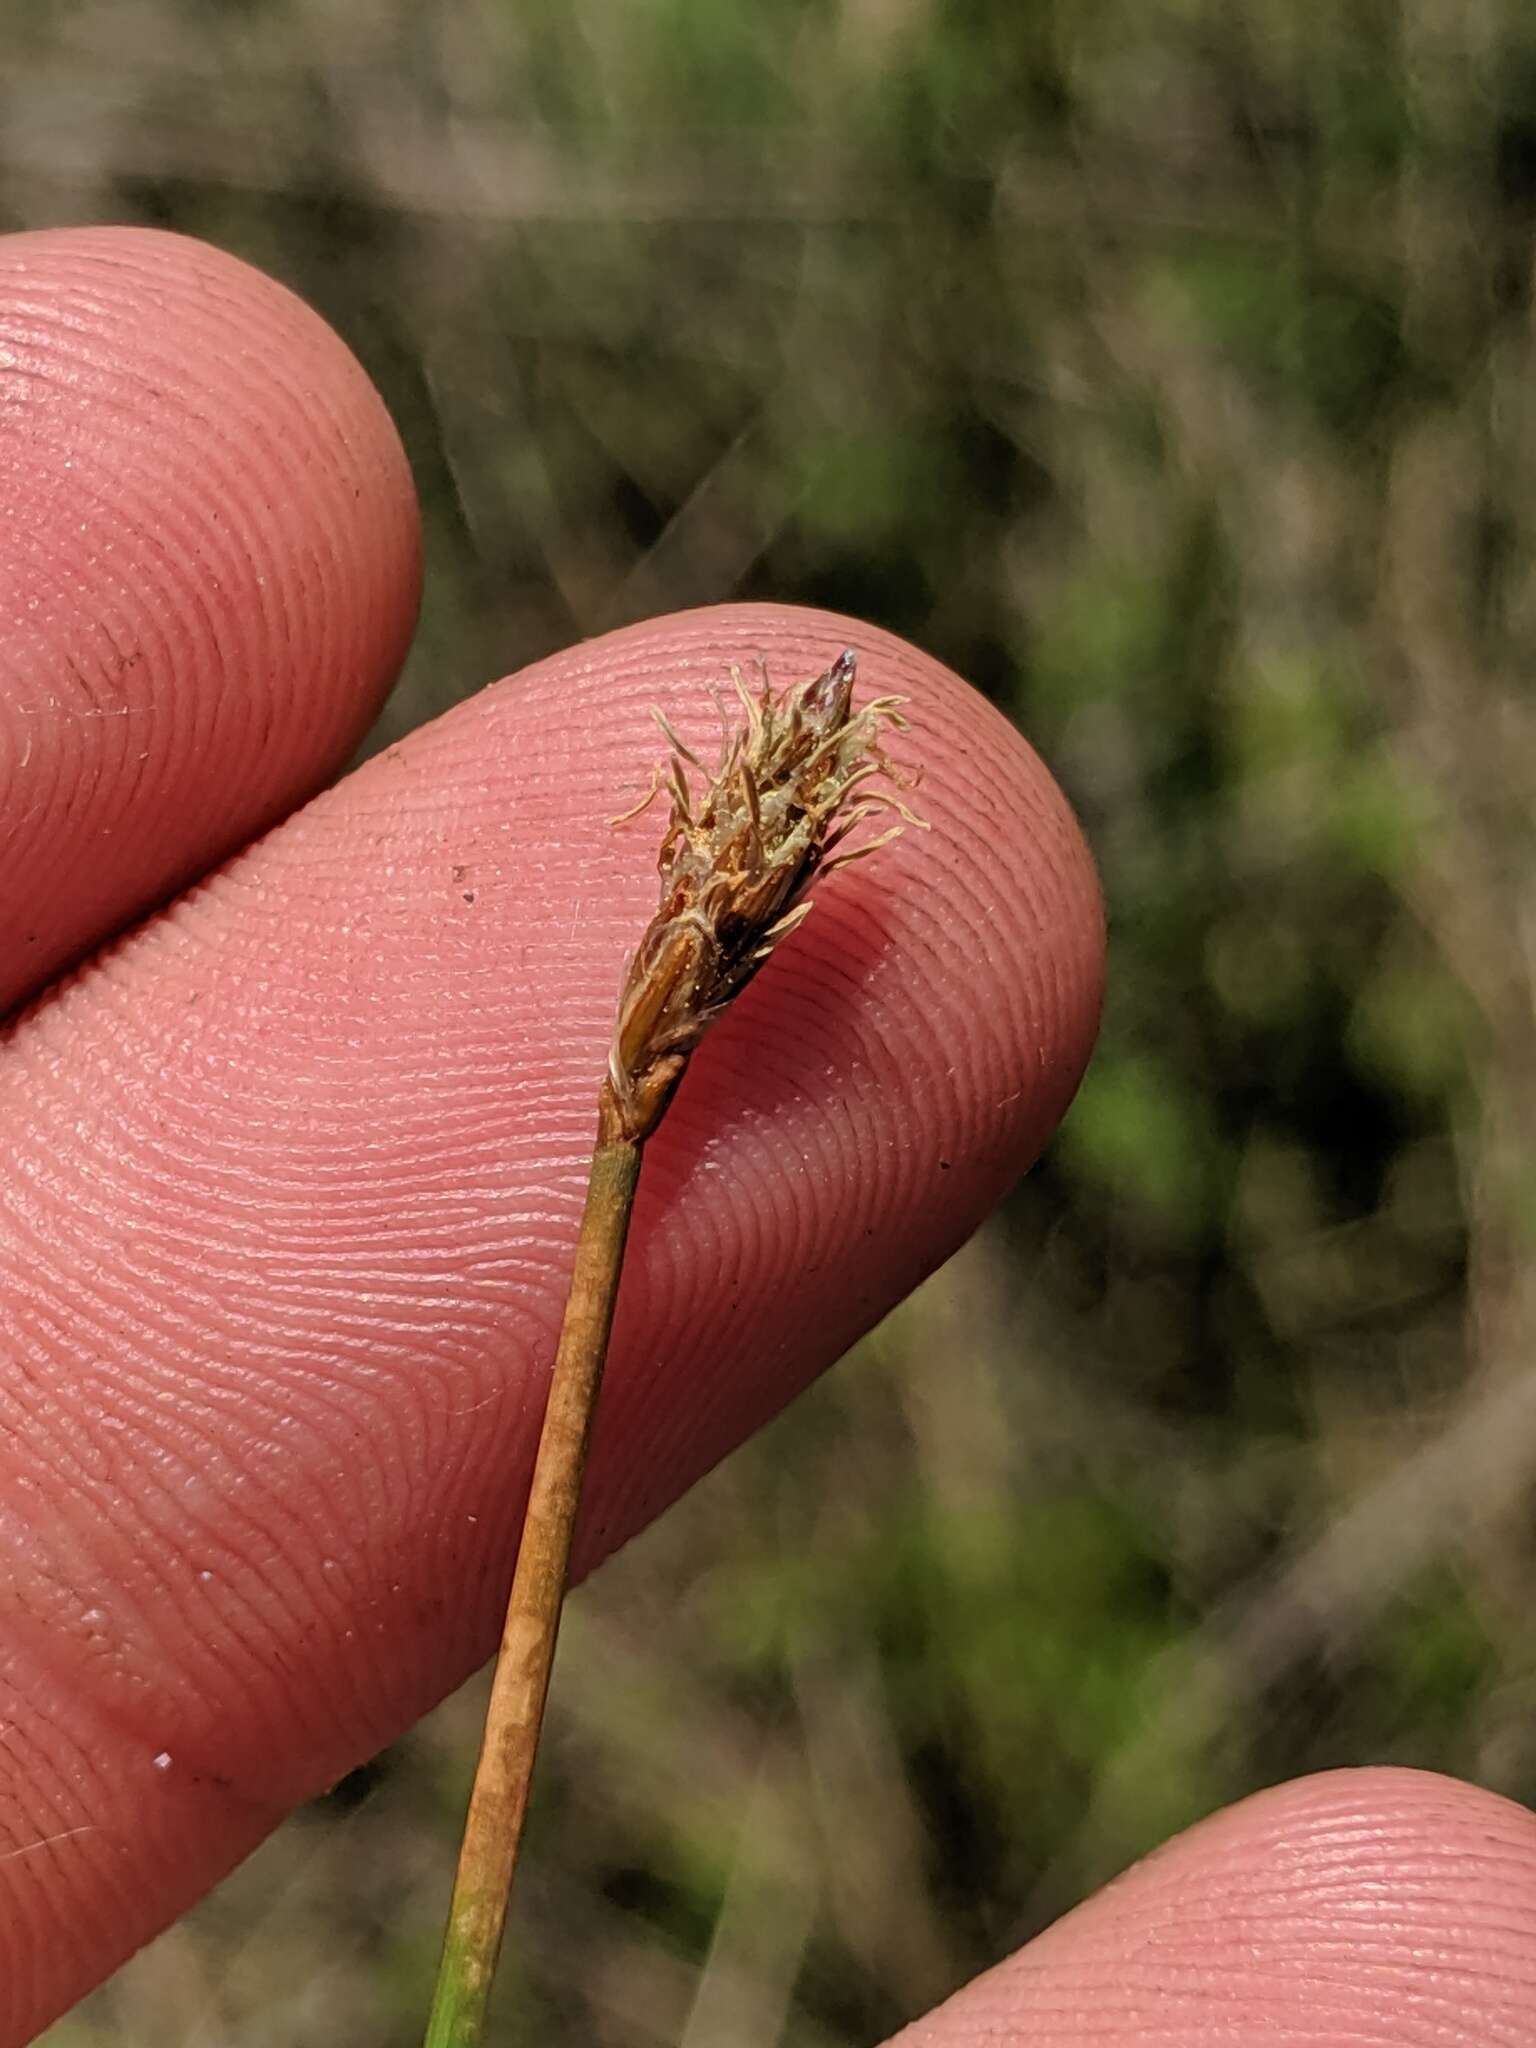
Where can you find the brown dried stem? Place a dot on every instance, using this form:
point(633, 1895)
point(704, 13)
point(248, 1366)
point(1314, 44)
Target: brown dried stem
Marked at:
point(735, 862)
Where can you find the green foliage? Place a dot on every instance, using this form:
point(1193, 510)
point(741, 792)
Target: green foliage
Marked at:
point(1144, 1136)
point(1306, 340)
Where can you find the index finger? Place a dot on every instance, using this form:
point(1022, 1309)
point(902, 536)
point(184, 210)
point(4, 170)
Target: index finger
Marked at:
point(291, 1187)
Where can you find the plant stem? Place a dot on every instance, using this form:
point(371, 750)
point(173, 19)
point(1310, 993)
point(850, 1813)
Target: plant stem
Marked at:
point(735, 862)
point(499, 1799)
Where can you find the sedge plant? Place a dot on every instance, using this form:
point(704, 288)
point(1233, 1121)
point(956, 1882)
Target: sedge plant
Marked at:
point(796, 775)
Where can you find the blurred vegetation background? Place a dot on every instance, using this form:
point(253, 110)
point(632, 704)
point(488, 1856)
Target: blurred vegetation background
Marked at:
point(1167, 367)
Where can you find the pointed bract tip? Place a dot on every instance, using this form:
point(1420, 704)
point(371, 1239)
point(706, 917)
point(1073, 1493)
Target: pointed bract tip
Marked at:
point(830, 695)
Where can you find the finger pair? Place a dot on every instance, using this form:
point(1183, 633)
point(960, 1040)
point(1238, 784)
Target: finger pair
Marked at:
point(291, 1173)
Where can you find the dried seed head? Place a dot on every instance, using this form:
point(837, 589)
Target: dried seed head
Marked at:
point(791, 783)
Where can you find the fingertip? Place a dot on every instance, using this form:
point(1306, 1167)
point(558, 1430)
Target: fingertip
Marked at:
point(872, 1097)
point(1357, 1905)
point(210, 575)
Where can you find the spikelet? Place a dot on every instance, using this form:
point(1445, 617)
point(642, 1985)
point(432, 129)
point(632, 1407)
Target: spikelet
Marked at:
point(791, 783)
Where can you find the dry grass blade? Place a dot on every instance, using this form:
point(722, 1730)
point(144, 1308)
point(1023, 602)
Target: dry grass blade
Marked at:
point(792, 782)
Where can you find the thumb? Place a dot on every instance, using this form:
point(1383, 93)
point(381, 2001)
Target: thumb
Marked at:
point(291, 1185)
point(1347, 1909)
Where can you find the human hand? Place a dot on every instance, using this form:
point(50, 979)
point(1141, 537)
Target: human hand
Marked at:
point(290, 1175)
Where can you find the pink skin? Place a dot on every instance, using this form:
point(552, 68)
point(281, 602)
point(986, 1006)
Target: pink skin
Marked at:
point(1358, 1909)
point(291, 1178)
point(208, 581)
